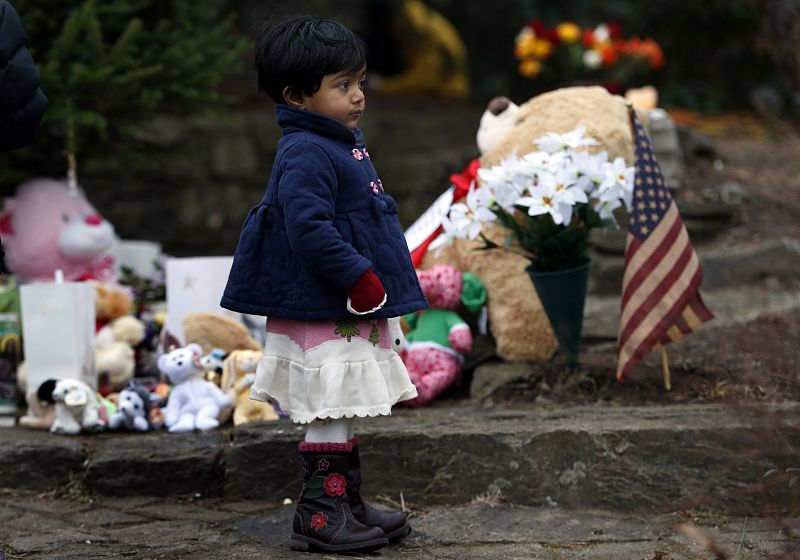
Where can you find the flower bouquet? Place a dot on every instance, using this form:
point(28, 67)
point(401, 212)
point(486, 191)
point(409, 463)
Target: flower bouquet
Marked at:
point(569, 53)
point(548, 201)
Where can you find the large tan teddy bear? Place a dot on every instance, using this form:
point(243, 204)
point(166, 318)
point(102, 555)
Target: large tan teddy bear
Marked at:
point(518, 321)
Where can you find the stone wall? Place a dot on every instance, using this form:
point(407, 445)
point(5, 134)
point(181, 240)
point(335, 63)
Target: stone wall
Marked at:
point(193, 191)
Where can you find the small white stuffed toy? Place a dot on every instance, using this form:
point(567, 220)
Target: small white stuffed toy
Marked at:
point(76, 408)
point(194, 403)
point(132, 408)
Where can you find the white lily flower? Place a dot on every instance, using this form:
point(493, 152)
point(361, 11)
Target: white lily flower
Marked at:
point(591, 170)
point(544, 199)
point(467, 218)
point(618, 182)
point(553, 142)
point(605, 208)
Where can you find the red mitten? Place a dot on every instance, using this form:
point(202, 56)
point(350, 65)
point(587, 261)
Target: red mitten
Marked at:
point(366, 295)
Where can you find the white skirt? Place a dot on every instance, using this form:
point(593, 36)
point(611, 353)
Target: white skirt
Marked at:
point(332, 369)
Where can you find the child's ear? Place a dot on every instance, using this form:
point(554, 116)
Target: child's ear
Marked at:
point(294, 98)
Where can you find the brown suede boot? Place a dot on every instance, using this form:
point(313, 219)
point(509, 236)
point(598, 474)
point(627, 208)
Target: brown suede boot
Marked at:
point(323, 518)
point(392, 523)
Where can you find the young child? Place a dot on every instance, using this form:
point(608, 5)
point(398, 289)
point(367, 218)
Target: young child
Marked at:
point(323, 256)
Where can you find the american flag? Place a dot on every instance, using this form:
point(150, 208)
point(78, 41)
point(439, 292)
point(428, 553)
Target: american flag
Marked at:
point(660, 288)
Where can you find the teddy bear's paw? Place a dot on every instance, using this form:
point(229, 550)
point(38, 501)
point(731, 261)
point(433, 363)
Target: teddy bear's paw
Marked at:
point(61, 429)
point(206, 423)
point(185, 424)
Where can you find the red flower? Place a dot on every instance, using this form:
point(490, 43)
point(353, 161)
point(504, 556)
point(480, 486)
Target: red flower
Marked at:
point(319, 521)
point(334, 485)
point(614, 29)
point(538, 26)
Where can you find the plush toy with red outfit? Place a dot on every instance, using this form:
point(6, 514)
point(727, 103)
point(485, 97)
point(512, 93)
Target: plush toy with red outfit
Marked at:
point(440, 338)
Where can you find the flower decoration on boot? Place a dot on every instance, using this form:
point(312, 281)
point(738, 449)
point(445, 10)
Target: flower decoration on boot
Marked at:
point(323, 465)
point(319, 521)
point(334, 485)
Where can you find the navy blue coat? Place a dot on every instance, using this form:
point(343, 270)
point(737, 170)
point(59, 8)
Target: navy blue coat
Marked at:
point(22, 102)
point(323, 221)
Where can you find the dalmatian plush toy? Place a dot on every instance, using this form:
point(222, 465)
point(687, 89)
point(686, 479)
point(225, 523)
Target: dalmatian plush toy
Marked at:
point(132, 408)
point(194, 403)
point(76, 408)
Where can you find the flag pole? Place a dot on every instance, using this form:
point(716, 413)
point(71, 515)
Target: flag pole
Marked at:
point(665, 367)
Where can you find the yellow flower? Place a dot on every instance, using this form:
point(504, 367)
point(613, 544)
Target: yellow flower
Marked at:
point(542, 48)
point(530, 68)
point(525, 48)
point(568, 32)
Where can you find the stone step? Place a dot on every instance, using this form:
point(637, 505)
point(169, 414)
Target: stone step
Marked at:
point(736, 460)
point(732, 305)
point(722, 268)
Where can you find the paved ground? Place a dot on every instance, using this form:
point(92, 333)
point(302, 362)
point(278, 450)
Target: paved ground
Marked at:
point(76, 526)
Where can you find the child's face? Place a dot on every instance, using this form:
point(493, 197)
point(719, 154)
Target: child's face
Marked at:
point(340, 96)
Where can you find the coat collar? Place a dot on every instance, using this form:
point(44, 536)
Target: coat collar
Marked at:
point(291, 119)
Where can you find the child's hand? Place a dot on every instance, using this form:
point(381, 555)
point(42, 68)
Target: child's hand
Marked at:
point(366, 295)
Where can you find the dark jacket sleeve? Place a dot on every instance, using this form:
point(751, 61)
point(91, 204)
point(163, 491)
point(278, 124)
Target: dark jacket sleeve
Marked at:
point(306, 191)
point(22, 102)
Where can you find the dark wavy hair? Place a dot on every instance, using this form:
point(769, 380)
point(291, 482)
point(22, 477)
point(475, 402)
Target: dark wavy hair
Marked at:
point(298, 51)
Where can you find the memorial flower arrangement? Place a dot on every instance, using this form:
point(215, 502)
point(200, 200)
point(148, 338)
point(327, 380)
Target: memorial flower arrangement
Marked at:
point(569, 52)
point(548, 200)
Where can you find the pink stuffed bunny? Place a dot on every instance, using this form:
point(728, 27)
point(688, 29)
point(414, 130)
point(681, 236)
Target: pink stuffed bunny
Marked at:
point(44, 229)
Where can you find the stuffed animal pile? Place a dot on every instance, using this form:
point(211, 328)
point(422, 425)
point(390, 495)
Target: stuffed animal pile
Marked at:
point(516, 317)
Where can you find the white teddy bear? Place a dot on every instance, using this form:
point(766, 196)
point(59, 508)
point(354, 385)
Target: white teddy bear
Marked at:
point(76, 408)
point(194, 403)
point(132, 407)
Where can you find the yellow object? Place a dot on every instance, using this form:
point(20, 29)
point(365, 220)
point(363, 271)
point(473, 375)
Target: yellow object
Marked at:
point(238, 373)
point(643, 98)
point(542, 48)
point(568, 32)
point(530, 68)
point(434, 55)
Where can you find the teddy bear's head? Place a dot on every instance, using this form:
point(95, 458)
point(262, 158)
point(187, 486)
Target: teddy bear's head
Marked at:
point(181, 363)
point(506, 128)
point(134, 401)
point(237, 366)
point(214, 330)
point(72, 393)
point(45, 228)
point(111, 303)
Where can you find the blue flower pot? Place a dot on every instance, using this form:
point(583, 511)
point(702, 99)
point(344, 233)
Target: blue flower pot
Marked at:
point(563, 295)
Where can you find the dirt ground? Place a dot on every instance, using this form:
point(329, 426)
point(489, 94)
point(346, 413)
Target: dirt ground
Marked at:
point(754, 362)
